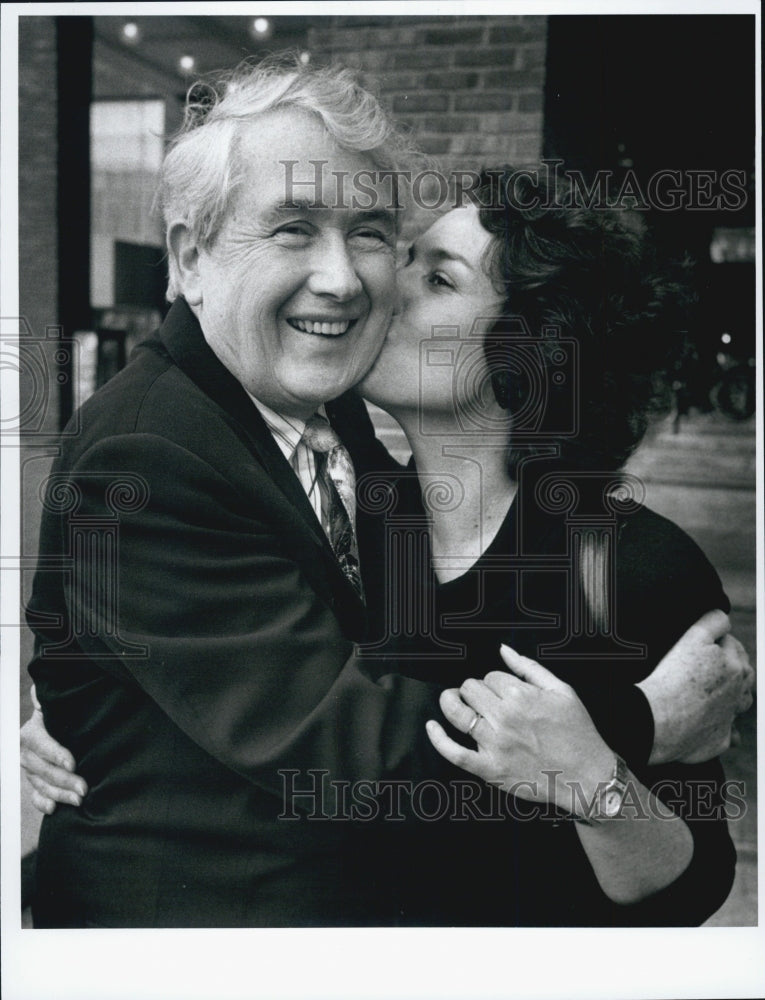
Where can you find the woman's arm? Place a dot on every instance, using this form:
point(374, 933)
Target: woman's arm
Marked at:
point(535, 739)
point(693, 721)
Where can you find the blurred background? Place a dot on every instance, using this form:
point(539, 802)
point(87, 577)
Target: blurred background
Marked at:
point(634, 96)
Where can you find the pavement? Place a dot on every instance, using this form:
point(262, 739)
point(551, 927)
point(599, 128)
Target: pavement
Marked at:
point(702, 476)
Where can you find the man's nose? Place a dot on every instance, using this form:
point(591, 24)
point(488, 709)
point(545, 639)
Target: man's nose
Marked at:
point(334, 272)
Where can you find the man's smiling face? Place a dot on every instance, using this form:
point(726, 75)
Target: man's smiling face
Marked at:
point(295, 300)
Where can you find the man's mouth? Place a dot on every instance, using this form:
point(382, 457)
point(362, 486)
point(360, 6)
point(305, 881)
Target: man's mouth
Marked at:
point(322, 328)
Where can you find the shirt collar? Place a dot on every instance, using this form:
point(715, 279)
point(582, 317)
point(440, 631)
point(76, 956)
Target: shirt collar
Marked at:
point(287, 431)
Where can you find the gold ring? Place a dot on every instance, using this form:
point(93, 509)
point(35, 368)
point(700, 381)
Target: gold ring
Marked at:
point(476, 718)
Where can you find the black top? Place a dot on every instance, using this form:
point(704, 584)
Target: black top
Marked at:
point(474, 856)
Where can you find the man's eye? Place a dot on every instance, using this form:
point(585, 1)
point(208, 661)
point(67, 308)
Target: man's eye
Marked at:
point(371, 234)
point(294, 229)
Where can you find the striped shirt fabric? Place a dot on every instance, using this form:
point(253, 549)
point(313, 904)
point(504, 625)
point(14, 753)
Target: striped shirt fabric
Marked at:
point(288, 434)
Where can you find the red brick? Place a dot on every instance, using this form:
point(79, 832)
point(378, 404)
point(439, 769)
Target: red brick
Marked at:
point(454, 36)
point(513, 120)
point(531, 101)
point(527, 148)
point(532, 56)
point(514, 79)
point(484, 56)
point(518, 31)
point(397, 81)
point(343, 38)
point(535, 21)
point(400, 38)
point(420, 102)
point(383, 20)
point(434, 145)
point(421, 59)
point(474, 144)
point(482, 100)
point(452, 123)
point(451, 81)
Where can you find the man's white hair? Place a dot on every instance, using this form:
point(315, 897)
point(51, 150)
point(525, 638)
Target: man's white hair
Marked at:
point(201, 169)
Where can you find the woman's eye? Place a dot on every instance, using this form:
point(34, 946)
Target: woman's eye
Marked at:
point(439, 280)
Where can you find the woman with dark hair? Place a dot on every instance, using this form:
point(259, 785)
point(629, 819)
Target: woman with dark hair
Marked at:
point(527, 352)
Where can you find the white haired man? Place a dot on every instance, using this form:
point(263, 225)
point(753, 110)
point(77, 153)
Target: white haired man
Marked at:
point(213, 671)
point(223, 657)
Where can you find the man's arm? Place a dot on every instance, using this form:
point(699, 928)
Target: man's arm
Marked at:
point(243, 651)
point(696, 691)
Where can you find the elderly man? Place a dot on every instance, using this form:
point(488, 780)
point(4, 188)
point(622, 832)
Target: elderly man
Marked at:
point(221, 659)
point(213, 670)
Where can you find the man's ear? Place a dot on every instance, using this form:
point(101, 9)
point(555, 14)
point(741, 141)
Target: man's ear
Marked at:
point(184, 260)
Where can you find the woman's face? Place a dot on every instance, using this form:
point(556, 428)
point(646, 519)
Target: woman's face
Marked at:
point(432, 359)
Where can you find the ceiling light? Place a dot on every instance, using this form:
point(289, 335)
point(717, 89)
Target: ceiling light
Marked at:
point(261, 26)
point(305, 58)
point(130, 31)
point(187, 63)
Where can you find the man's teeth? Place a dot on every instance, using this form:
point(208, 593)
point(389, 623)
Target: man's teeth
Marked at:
point(327, 329)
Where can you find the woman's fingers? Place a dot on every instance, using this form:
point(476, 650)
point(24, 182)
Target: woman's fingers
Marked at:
point(529, 670)
point(455, 710)
point(54, 792)
point(42, 803)
point(63, 781)
point(462, 706)
point(37, 741)
point(468, 760)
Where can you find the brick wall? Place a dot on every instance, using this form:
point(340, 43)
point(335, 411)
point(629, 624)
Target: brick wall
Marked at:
point(38, 227)
point(470, 87)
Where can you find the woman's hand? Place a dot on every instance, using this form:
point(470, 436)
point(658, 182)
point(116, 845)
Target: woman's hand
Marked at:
point(532, 725)
point(48, 766)
point(535, 737)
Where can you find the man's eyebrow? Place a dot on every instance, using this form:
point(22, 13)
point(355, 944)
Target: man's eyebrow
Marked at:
point(372, 215)
point(289, 205)
point(293, 205)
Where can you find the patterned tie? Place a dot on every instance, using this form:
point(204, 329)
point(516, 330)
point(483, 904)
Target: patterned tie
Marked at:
point(335, 470)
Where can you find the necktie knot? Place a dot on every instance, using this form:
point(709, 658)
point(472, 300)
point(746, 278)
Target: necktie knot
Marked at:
point(319, 434)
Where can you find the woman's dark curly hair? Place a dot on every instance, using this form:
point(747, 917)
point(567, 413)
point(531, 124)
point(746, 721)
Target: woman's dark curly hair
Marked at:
point(592, 275)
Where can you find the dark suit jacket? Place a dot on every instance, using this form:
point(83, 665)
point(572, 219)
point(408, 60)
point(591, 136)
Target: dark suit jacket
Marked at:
point(194, 651)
